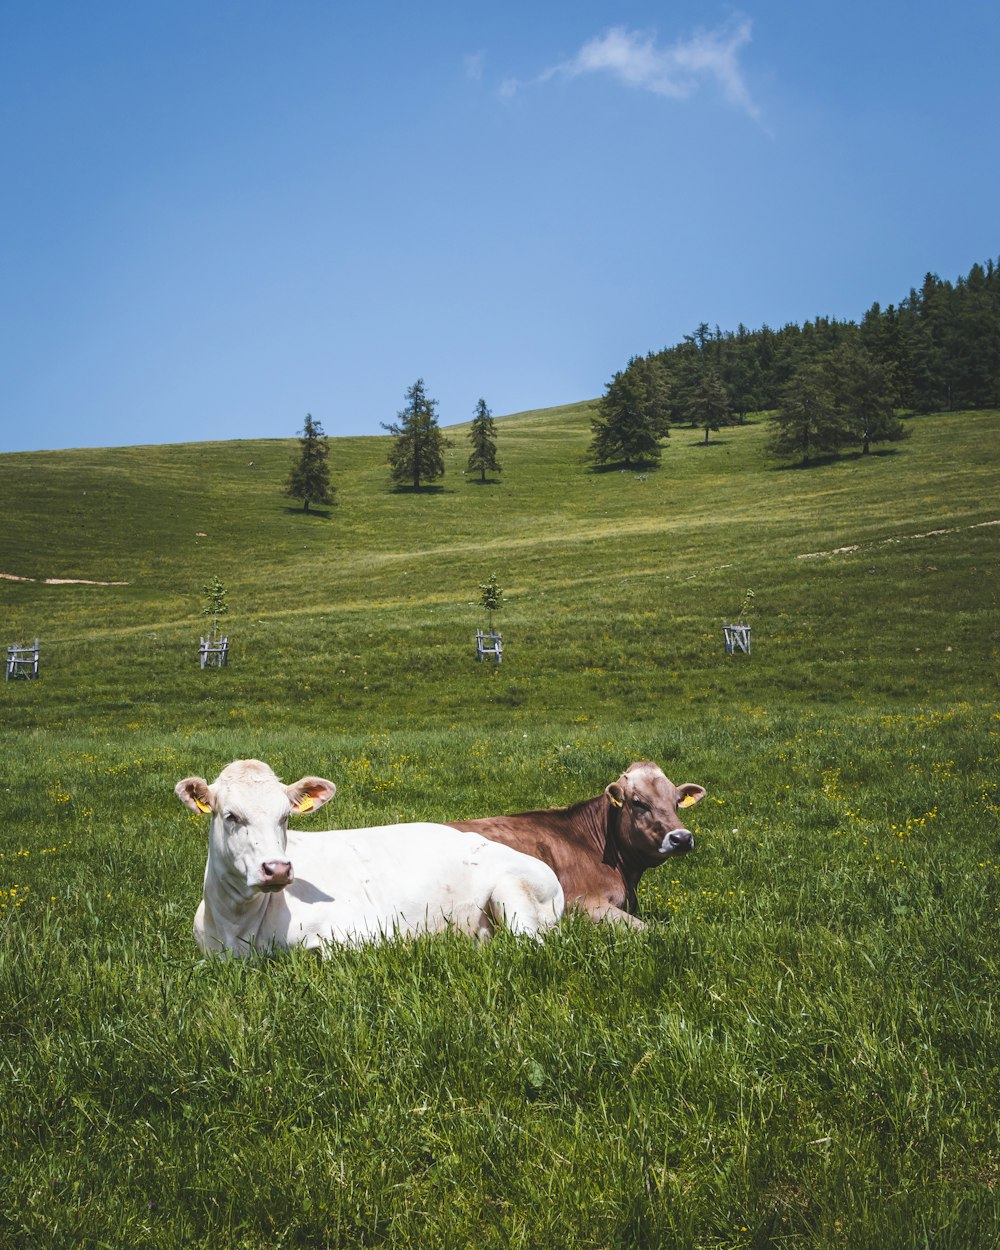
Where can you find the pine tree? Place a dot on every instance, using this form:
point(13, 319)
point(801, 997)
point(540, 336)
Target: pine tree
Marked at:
point(684, 372)
point(655, 381)
point(309, 479)
point(807, 422)
point(740, 373)
point(483, 438)
point(709, 405)
point(864, 392)
point(417, 455)
point(632, 418)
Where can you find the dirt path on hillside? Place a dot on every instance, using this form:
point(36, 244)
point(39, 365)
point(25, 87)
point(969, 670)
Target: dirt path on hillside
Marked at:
point(840, 551)
point(59, 581)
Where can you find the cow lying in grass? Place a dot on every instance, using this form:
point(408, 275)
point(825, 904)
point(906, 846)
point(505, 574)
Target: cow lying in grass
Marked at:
point(600, 848)
point(268, 887)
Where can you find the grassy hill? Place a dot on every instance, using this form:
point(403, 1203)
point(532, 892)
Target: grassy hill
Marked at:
point(616, 582)
point(801, 1046)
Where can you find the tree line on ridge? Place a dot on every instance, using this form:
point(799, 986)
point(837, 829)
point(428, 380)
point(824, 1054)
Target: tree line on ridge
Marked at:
point(828, 383)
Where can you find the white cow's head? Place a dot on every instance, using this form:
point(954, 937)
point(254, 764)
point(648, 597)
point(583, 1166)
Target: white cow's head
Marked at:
point(249, 832)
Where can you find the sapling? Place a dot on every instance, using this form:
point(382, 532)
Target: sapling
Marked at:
point(215, 602)
point(491, 598)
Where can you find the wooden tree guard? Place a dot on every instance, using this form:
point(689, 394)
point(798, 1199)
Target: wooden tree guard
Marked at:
point(489, 644)
point(22, 661)
point(214, 651)
point(737, 637)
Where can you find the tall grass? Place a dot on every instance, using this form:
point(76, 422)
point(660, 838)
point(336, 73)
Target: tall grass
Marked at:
point(800, 1049)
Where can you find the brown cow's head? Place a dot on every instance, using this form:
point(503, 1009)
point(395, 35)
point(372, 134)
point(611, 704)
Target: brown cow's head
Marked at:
point(651, 822)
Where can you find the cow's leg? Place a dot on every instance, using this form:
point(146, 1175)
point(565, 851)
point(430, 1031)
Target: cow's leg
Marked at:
point(524, 907)
point(602, 911)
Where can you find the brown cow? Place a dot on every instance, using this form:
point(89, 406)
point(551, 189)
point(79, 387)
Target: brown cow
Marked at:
point(601, 847)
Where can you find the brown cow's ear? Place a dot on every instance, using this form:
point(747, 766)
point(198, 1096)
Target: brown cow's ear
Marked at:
point(310, 793)
point(690, 794)
point(194, 792)
point(616, 793)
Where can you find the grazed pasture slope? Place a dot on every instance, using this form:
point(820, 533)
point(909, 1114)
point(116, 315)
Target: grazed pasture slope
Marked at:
point(801, 1049)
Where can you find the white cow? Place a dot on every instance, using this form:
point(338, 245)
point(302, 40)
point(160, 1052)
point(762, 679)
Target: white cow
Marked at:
point(266, 887)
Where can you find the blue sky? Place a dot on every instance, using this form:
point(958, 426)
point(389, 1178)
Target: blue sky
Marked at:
point(219, 217)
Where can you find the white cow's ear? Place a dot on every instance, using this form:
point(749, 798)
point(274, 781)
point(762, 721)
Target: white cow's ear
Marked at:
point(310, 793)
point(689, 794)
point(194, 792)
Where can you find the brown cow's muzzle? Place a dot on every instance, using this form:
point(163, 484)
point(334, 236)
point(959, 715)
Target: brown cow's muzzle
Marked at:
point(275, 874)
point(677, 842)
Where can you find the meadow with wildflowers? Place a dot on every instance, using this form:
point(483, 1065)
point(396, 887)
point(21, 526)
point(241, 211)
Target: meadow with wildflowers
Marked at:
point(801, 1047)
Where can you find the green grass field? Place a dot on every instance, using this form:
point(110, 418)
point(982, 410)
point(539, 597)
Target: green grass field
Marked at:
point(801, 1048)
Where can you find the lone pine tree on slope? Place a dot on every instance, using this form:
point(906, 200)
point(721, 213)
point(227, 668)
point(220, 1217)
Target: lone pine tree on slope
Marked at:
point(309, 479)
point(482, 436)
point(417, 454)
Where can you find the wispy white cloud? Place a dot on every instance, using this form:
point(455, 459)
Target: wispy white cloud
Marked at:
point(473, 64)
point(677, 70)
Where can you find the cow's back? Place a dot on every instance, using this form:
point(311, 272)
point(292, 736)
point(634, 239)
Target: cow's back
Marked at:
point(554, 838)
point(363, 884)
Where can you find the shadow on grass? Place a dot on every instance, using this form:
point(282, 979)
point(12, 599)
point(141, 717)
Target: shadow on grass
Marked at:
point(833, 457)
point(490, 481)
point(417, 490)
point(318, 514)
point(619, 466)
point(712, 442)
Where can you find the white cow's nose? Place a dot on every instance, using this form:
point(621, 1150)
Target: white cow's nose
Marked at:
point(275, 874)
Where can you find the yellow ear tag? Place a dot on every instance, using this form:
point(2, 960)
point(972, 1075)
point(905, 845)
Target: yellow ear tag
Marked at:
point(616, 802)
point(305, 804)
point(202, 807)
point(689, 801)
